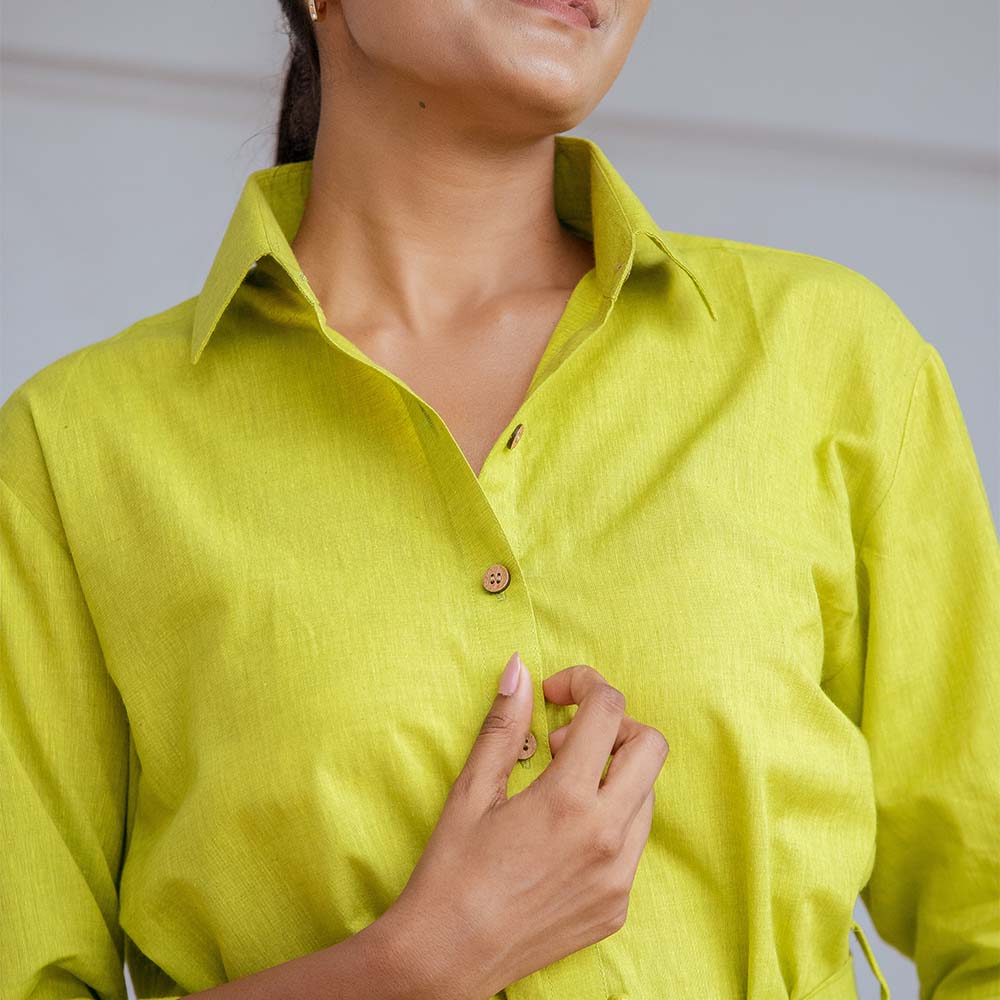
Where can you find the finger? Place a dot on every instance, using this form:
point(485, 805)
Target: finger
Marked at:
point(634, 768)
point(557, 738)
point(496, 747)
point(558, 735)
point(637, 834)
point(591, 732)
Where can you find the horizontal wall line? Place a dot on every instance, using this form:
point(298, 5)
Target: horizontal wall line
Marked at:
point(203, 93)
point(58, 64)
point(873, 149)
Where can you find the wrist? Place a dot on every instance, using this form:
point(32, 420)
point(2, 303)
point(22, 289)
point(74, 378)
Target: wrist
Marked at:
point(409, 948)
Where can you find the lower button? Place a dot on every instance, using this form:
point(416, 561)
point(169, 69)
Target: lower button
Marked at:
point(529, 747)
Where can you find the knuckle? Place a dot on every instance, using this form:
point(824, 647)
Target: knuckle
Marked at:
point(496, 724)
point(463, 784)
point(592, 674)
point(606, 842)
point(463, 789)
point(654, 741)
point(622, 885)
point(616, 919)
point(569, 801)
point(610, 698)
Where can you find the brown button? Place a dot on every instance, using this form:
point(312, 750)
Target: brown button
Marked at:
point(496, 578)
point(516, 436)
point(529, 746)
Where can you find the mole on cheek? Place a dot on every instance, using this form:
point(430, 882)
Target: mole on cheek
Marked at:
point(421, 103)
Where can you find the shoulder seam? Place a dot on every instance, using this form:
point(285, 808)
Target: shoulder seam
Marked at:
point(57, 435)
point(37, 518)
point(926, 358)
point(164, 317)
point(54, 444)
point(707, 242)
point(734, 246)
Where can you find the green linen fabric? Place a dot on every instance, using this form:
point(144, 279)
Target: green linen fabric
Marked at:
point(246, 644)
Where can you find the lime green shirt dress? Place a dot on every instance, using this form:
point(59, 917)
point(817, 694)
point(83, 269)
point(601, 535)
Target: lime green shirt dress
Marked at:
point(250, 630)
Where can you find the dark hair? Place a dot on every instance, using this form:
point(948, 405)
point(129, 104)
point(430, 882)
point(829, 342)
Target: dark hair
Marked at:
point(299, 118)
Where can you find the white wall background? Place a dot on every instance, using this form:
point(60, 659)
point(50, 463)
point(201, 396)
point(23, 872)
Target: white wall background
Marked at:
point(865, 132)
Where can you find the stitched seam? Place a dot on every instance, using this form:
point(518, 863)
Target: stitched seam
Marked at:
point(37, 518)
point(600, 965)
point(739, 247)
point(618, 202)
point(834, 977)
point(892, 479)
point(57, 437)
point(268, 184)
point(221, 311)
point(928, 353)
point(611, 188)
point(71, 376)
point(165, 317)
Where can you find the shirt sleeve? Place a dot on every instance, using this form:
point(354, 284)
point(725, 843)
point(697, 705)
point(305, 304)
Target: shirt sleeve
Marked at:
point(64, 771)
point(928, 574)
point(64, 735)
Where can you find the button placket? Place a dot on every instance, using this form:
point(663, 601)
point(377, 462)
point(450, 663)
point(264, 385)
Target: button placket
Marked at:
point(478, 514)
point(484, 513)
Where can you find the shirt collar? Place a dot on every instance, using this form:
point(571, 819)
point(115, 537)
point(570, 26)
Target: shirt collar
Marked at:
point(590, 196)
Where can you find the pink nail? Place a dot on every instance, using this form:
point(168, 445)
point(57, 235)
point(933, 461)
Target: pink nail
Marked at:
point(511, 675)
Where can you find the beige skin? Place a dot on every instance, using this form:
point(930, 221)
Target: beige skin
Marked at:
point(431, 240)
point(429, 234)
point(474, 915)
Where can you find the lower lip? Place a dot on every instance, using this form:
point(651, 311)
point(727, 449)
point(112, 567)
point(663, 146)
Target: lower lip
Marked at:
point(560, 9)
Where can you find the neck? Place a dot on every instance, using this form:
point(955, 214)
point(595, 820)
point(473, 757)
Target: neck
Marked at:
point(410, 228)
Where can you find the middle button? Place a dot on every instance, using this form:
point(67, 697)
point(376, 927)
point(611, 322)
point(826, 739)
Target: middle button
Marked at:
point(496, 578)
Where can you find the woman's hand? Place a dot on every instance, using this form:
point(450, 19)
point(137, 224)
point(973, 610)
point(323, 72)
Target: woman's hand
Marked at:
point(505, 885)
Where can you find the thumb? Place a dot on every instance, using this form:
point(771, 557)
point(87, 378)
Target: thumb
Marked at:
point(501, 736)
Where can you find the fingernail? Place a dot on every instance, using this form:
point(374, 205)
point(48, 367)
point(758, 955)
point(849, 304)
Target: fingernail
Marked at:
point(511, 675)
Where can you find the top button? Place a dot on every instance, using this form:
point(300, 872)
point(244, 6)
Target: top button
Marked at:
point(496, 578)
point(516, 436)
point(528, 747)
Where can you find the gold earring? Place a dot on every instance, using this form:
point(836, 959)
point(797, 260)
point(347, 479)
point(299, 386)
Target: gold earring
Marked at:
point(317, 15)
